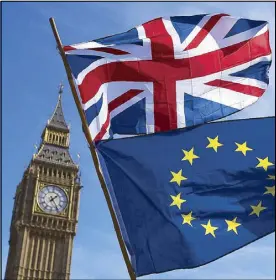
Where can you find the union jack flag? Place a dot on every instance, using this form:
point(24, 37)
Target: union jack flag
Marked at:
point(170, 73)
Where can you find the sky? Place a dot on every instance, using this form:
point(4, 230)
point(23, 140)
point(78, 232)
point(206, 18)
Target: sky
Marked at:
point(31, 72)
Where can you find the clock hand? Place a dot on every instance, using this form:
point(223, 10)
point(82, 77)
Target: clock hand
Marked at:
point(53, 198)
point(55, 204)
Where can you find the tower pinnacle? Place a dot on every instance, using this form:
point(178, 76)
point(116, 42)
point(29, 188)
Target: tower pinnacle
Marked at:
point(57, 120)
point(61, 86)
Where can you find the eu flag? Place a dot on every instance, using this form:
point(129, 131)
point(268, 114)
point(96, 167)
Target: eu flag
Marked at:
point(188, 197)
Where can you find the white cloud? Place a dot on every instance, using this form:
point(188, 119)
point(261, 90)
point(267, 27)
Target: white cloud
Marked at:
point(101, 261)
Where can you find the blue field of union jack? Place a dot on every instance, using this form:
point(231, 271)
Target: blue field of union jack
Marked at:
point(170, 73)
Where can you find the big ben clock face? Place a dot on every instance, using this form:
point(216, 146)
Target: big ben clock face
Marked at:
point(52, 199)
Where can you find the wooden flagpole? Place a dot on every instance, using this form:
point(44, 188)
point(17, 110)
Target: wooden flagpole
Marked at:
point(93, 152)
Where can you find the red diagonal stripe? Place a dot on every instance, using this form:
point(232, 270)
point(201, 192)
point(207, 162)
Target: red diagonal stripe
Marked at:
point(246, 89)
point(123, 98)
point(103, 129)
point(110, 50)
point(68, 48)
point(204, 31)
point(107, 50)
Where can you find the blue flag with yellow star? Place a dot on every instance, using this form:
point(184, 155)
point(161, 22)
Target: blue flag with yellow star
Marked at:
point(187, 197)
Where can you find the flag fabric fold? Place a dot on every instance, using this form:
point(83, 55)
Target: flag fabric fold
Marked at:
point(170, 73)
point(187, 197)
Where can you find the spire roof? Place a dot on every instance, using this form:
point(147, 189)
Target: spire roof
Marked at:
point(57, 120)
point(54, 154)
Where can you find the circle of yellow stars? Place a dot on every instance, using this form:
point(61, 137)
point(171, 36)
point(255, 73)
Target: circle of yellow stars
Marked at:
point(232, 225)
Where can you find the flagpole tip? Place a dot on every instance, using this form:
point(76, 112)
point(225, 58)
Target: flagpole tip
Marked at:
point(52, 21)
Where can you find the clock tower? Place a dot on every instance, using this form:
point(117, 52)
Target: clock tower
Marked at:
point(45, 212)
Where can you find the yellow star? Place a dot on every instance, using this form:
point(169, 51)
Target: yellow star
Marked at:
point(189, 155)
point(242, 148)
point(270, 190)
point(209, 228)
point(177, 200)
point(264, 163)
point(214, 143)
point(271, 177)
point(257, 209)
point(232, 225)
point(187, 218)
point(177, 177)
